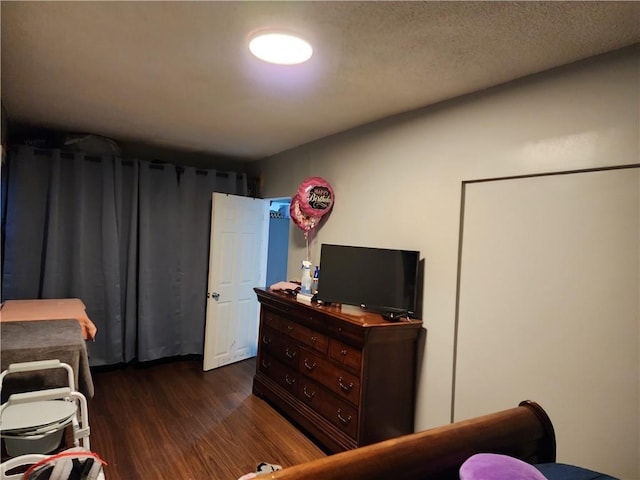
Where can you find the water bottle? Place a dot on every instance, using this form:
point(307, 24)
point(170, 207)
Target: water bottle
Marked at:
point(314, 280)
point(306, 278)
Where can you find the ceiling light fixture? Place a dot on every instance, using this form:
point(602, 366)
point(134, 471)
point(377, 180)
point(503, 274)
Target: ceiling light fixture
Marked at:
point(280, 48)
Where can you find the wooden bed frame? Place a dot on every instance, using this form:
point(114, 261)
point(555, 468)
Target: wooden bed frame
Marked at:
point(524, 432)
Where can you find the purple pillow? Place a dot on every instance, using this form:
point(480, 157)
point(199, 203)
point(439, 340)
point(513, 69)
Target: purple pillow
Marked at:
point(491, 466)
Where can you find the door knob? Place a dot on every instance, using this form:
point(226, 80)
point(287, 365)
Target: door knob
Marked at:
point(215, 296)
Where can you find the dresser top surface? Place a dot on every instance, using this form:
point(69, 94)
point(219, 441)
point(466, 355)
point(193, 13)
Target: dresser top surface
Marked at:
point(351, 315)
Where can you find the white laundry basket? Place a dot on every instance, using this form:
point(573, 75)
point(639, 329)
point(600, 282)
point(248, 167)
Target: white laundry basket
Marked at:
point(52, 466)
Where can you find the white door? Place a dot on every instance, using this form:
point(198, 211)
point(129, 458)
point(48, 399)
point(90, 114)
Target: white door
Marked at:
point(237, 264)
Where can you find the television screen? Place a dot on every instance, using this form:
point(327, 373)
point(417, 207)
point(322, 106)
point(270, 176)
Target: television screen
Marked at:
point(378, 279)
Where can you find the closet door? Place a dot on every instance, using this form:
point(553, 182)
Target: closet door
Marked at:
point(549, 309)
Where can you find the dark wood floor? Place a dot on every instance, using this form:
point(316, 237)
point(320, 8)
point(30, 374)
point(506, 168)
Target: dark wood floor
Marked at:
point(173, 421)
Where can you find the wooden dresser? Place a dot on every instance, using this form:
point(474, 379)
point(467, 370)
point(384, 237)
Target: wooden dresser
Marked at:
point(346, 379)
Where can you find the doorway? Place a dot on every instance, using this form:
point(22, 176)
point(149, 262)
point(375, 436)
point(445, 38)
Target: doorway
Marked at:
point(278, 249)
point(241, 237)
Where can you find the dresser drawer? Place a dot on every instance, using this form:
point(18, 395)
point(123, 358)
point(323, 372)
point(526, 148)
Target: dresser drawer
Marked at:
point(347, 333)
point(286, 377)
point(307, 336)
point(323, 371)
point(338, 412)
point(346, 355)
point(271, 318)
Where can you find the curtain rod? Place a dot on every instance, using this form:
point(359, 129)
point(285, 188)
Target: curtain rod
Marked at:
point(155, 164)
point(179, 169)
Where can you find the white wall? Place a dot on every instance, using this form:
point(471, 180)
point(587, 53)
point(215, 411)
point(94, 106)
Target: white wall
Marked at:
point(552, 262)
point(398, 182)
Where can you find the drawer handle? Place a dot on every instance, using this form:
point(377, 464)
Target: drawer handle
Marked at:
point(307, 394)
point(346, 388)
point(343, 352)
point(314, 339)
point(290, 328)
point(309, 366)
point(289, 354)
point(289, 380)
point(342, 419)
point(266, 340)
point(266, 364)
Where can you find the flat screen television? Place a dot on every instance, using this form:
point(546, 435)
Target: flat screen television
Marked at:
point(378, 279)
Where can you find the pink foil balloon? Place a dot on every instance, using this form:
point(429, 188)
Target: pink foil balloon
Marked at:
point(315, 196)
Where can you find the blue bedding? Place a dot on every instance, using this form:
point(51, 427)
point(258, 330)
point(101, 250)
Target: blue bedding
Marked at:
point(560, 471)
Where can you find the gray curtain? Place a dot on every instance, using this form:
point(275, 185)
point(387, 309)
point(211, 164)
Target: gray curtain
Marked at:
point(129, 238)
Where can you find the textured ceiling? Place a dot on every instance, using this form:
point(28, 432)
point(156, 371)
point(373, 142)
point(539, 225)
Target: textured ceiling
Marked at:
point(178, 74)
